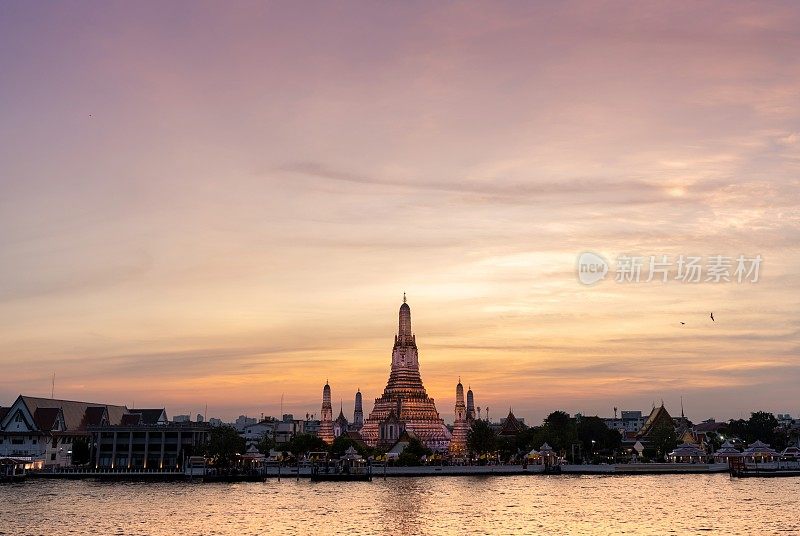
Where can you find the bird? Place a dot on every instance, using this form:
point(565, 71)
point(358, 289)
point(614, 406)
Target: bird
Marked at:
point(712, 317)
point(683, 323)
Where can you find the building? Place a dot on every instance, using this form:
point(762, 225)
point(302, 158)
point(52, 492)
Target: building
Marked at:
point(461, 424)
point(405, 405)
point(511, 426)
point(470, 405)
point(340, 425)
point(287, 428)
point(358, 413)
point(658, 418)
point(140, 443)
point(254, 433)
point(629, 422)
point(326, 420)
point(242, 421)
point(45, 428)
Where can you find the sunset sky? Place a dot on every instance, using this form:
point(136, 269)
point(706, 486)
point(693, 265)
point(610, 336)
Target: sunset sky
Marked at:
point(217, 203)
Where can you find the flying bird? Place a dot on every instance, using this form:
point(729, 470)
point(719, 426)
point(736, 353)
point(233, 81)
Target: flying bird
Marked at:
point(712, 317)
point(683, 323)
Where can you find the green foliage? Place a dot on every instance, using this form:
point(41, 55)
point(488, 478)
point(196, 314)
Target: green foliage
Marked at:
point(301, 444)
point(594, 429)
point(761, 426)
point(224, 445)
point(663, 439)
point(80, 451)
point(413, 452)
point(560, 431)
point(265, 444)
point(481, 439)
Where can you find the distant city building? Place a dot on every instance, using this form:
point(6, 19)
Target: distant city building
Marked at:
point(213, 421)
point(181, 418)
point(405, 405)
point(627, 423)
point(243, 421)
point(254, 433)
point(287, 428)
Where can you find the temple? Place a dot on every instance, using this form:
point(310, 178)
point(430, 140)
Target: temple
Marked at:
point(461, 423)
point(326, 420)
point(405, 405)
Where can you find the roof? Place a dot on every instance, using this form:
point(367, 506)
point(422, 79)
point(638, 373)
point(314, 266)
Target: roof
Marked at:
point(659, 414)
point(687, 449)
point(46, 418)
point(511, 425)
point(759, 447)
point(131, 419)
point(94, 416)
point(3, 412)
point(73, 410)
point(150, 416)
point(709, 426)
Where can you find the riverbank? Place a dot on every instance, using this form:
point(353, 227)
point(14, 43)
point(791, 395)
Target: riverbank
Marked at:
point(387, 472)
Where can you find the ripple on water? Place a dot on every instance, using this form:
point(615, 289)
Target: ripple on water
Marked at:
point(670, 504)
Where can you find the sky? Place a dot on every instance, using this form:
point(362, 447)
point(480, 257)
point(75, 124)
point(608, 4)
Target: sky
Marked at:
point(221, 204)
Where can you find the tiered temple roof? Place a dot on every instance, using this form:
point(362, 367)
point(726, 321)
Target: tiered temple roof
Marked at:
point(405, 396)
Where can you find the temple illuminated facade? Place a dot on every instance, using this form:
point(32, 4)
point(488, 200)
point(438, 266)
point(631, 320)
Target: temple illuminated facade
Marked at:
point(405, 405)
point(326, 417)
point(461, 424)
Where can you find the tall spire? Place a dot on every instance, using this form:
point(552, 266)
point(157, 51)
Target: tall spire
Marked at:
point(358, 413)
point(404, 327)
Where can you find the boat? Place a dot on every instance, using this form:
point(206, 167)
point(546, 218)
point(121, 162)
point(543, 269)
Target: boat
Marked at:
point(12, 470)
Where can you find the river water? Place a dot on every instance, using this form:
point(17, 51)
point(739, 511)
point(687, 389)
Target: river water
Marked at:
point(663, 504)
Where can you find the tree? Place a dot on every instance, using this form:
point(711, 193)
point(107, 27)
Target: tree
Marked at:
point(761, 426)
point(301, 444)
point(481, 439)
point(343, 442)
point(224, 445)
point(265, 444)
point(663, 439)
point(80, 451)
point(594, 429)
point(560, 431)
point(413, 452)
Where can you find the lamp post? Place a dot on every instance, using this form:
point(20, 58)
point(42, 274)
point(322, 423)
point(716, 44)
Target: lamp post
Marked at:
point(592, 453)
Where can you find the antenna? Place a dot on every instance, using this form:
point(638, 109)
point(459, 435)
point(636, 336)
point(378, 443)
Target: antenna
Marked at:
point(205, 415)
point(53, 387)
point(281, 405)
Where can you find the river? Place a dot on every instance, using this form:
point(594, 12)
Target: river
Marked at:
point(663, 504)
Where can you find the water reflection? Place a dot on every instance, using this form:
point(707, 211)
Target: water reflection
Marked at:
point(435, 506)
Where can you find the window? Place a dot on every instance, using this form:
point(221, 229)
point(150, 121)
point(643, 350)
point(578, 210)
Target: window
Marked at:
point(53, 457)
